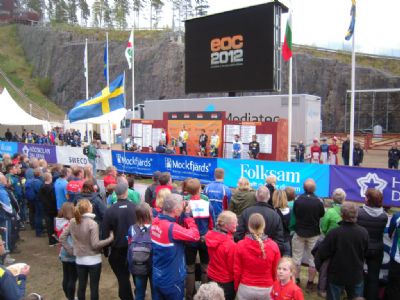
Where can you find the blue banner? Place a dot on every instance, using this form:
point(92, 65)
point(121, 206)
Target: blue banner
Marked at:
point(355, 181)
point(287, 174)
point(47, 152)
point(8, 148)
point(182, 167)
point(135, 163)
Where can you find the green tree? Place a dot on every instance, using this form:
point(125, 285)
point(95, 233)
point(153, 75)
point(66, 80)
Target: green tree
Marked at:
point(101, 14)
point(60, 11)
point(36, 5)
point(137, 6)
point(155, 12)
point(108, 16)
point(121, 10)
point(71, 9)
point(201, 7)
point(85, 11)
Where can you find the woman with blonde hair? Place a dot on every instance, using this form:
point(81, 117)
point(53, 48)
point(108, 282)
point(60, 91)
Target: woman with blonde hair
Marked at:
point(86, 248)
point(244, 197)
point(280, 203)
point(256, 261)
point(221, 250)
point(161, 195)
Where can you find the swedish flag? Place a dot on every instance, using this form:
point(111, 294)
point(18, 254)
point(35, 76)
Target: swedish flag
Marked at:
point(350, 31)
point(109, 99)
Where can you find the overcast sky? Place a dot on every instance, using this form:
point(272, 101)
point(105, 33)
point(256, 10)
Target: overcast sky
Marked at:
point(324, 23)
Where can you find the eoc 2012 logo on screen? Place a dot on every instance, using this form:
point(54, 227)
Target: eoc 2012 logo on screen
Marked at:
point(227, 51)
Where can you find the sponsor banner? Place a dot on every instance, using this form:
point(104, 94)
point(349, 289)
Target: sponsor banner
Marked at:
point(287, 174)
point(135, 163)
point(355, 181)
point(8, 148)
point(47, 152)
point(182, 167)
point(67, 155)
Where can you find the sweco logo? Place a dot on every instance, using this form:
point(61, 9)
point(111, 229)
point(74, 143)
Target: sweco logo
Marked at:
point(371, 180)
point(134, 161)
point(25, 150)
point(186, 165)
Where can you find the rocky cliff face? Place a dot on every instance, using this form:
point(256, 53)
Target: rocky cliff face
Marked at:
point(159, 74)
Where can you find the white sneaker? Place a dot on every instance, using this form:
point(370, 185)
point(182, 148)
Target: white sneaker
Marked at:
point(9, 260)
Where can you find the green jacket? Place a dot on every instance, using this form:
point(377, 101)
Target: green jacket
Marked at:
point(241, 200)
point(331, 218)
point(92, 152)
point(133, 196)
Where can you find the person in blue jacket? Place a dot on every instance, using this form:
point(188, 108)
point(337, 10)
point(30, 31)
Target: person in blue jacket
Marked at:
point(11, 287)
point(168, 243)
point(218, 193)
point(237, 147)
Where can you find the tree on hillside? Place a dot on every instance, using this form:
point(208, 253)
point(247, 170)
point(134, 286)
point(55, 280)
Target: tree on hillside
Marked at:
point(36, 5)
point(201, 7)
point(50, 10)
point(85, 11)
point(137, 6)
point(60, 11)
point(121, 10)
point(71, 10)
point(101, 14)
point(155, 12)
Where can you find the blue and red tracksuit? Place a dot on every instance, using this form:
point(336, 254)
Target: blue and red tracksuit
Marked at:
point(202, 212)
point(219, 196)
point(169, 268)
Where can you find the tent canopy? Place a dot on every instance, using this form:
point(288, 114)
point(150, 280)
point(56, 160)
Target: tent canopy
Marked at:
point(12, 114)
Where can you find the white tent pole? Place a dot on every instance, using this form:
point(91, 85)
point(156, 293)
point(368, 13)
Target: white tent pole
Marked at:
point(133, 71)
point(87, 69)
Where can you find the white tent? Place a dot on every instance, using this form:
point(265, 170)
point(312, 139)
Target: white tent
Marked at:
point(104, 124)
point(14, 117)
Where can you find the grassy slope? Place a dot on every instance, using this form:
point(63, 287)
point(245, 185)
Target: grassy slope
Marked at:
point(15, 65)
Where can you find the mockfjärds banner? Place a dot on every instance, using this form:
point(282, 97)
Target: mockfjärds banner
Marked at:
point(356, 181)
point(287, 174)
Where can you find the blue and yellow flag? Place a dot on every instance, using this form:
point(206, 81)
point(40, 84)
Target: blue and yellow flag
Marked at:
point(109, 99)
point(350, 31)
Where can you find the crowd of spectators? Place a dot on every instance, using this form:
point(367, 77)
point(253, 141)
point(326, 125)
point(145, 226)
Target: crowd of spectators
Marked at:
point(239, 244)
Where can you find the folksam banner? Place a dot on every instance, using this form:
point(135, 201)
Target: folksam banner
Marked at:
point(182, 167)
point(67, 155)
point(135, 163)
point(355, 181)
point(39, 151)
point(8, 148)
point(287, 174)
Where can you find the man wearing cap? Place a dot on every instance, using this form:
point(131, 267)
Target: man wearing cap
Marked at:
point(118, 218)
point(150, 194)
point(11, 286)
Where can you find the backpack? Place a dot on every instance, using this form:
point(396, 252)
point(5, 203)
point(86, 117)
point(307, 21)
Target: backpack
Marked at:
point(139, 251)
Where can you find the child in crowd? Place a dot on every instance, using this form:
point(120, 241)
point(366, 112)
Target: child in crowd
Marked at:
point(139, 251)
point(285, 287)
point(70, 276)
point(203, 215)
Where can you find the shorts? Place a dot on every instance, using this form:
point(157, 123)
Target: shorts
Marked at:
point(301, 247)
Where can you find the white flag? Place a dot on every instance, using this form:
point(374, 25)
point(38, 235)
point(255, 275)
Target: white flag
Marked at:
point(129, 50)
point(85, 62)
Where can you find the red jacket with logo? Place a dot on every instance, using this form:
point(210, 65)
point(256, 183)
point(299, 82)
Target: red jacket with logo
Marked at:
point(221, 250)
point(289, 291)
point(250, 268)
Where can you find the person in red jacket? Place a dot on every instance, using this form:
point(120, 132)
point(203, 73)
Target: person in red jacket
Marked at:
point(111, 177)
point(256, 261)
point(221, 250)
point(315, 152)
point(284, 287)
point(333, 151)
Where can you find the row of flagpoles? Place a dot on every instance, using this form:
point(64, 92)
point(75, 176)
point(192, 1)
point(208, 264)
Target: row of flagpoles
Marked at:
point(287, 56)
point(129, 54)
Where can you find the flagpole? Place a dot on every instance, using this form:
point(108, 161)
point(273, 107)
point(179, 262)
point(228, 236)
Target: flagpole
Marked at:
point(87, 70)
point(108, 70)
point(133, 71)
point(353, 83)
point(290, 111)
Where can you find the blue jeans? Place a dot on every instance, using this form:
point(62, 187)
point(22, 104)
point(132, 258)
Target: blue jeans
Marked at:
point(94, 166)
point(38, 217)
point(141, 286)
point(334, 291)
point(5, 222)
point(176, 292)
